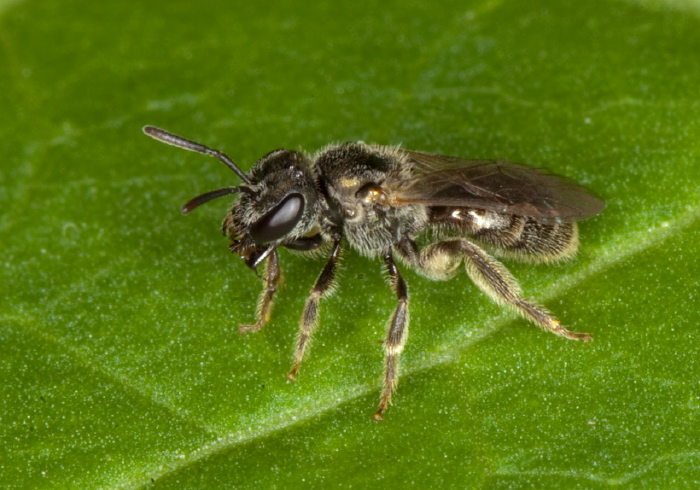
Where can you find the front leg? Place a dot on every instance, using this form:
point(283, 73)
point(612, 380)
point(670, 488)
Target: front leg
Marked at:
point(396, 337)
point(324, 284)
point(271, 279)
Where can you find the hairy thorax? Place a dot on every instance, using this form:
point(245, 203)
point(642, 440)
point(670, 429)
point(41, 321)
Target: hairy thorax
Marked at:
point(359, 196)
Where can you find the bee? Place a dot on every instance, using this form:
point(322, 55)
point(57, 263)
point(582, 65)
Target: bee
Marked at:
point(380, 199)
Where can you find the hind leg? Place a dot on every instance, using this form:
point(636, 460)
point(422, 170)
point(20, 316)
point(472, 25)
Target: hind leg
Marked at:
point(440, 260)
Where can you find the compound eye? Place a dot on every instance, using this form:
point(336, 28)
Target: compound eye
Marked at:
point(279, 221)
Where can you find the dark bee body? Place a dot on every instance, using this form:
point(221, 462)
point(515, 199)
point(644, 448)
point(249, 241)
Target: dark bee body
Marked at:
point(380, 199)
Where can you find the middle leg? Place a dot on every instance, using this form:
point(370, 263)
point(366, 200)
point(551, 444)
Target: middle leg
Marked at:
point(324, 285)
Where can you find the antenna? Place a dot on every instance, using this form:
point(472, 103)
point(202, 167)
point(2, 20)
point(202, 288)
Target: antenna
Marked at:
point(175, 140)
point(195, 202)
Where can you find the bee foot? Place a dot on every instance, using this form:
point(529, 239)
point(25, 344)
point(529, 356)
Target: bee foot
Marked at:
point(292, 376)
point(249, 328)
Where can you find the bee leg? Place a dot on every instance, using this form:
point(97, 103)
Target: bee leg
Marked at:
point(396, 337)
point(271, 279)
point(495, 280)
point(439, 261)
point(324, 285)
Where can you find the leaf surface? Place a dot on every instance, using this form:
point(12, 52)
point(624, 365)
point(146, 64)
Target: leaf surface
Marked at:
point(119, 355)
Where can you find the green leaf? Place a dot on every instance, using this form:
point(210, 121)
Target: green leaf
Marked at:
point(119, 355)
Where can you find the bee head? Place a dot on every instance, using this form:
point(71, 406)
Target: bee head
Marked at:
point(280, 202)
point(277, 199)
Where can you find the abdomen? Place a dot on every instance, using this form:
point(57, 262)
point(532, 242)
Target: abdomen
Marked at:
point(519, 237)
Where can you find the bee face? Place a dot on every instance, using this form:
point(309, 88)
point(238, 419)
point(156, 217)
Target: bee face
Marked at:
point(380, 199)
point(281, 202)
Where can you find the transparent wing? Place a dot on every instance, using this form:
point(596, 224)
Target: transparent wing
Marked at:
point(496, 185)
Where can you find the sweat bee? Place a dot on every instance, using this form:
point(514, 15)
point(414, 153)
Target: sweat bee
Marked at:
point(379, 199)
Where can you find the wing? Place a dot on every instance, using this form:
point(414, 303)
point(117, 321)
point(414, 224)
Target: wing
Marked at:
point(496, 185)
